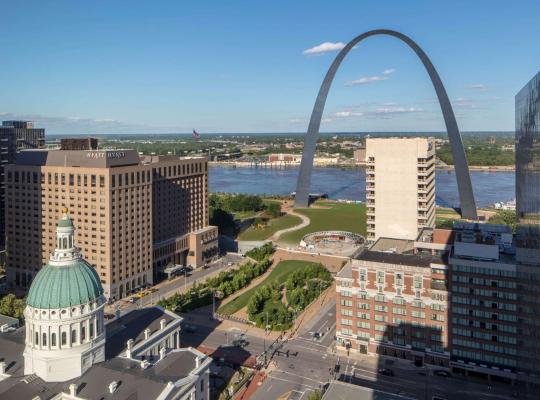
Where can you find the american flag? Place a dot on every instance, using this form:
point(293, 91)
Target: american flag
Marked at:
point(196, 135)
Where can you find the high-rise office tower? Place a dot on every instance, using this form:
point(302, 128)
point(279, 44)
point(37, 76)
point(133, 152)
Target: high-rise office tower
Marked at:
point(134, 216)
point(400, 187)
point(528, 153)
point(15, 136)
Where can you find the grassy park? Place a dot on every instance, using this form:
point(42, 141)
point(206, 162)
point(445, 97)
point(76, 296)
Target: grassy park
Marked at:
point(279, 274)
point(331, 216)
point(272, 226)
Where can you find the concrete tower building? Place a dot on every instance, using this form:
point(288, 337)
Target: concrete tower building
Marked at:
point(15, 136)
point(65, 331)
point(400, 187)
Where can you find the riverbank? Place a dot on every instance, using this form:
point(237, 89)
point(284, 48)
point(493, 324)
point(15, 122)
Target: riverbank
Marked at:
point(343, 183)
point(248, 164)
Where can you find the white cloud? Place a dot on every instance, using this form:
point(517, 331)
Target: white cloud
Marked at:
point(478, 86)
point(378, 113)
point(325, 47)
point(395, 110)
point(370, 79)
point(366, 79)
point(346, 114)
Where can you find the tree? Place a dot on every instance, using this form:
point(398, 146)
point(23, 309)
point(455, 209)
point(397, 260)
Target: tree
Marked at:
point(315, 395)
point(505, 217)
point(273, 209)
point(11, 306)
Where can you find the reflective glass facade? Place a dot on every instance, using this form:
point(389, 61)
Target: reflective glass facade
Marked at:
point(528, 153)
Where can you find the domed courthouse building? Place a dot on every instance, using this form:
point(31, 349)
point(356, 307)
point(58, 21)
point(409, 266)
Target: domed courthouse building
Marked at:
point(65, 351)
point(65, 332)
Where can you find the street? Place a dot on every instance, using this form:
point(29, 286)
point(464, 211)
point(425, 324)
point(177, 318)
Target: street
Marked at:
point(178, 284)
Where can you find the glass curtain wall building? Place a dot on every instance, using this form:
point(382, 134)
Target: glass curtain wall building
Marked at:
point(528, 153)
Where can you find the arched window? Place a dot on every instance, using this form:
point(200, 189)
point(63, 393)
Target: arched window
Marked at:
point(83, 334)
point(97, 327)
point(91, 329)
point(53, 339)
point(44, 339)
point(37, 339)
point(73, 336)
point(63, 338)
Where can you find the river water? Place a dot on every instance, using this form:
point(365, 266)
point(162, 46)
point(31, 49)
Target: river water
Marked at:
point(489, 187)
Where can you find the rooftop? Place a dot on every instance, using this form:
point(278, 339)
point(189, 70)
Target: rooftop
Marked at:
point(414, 260)
point(346, 271)
point(340, 390)
point(391, 245)
point(134, 381)
point(132, 326)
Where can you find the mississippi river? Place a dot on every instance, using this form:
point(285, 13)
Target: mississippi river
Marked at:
point(489, 187)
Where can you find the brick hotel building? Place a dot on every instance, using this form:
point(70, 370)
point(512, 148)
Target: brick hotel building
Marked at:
point(393, 299)
point(466, 299)
point(133, 215)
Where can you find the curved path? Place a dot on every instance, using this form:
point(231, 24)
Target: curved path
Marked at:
point(466, 196)
point(305, 222)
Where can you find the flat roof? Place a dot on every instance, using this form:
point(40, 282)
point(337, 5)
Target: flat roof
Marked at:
point(393, 245)
point(414, 260)
point(341, 390)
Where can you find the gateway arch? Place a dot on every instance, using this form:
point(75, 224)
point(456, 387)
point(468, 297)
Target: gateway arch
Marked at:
point(466, 197)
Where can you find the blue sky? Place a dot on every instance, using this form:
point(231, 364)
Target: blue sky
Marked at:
point(240, 66)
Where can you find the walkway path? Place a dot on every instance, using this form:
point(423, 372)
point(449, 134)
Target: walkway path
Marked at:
point(305, 222)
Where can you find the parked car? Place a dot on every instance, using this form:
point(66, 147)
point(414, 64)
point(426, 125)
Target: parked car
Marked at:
point(443, 373)
point(386, 371)
point(108, 316)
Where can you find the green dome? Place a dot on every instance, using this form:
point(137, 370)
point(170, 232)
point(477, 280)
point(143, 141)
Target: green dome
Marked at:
point(65, 286)
point(65, 223)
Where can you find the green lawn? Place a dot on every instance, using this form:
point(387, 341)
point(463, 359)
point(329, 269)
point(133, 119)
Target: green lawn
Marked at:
point(273, 226)
point(341, 216)
point(279, 274)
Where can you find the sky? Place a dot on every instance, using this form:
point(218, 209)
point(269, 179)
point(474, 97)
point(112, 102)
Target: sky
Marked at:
point(98, 67)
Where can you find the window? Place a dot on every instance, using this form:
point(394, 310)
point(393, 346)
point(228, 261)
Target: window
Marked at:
point(362, 275)
point(202, 385)
point(380, 276)
point(345, 321)
point(418, 281)
point(37, 339)
point(53, 339)
point(83, 334)
point(73, 336)
point(63, 339)
point(399, 279)
point(44, 339)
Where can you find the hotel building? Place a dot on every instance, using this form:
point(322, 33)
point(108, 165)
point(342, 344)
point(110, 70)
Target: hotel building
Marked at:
point(400, 187)
point(393, 299)
point(134, 215)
